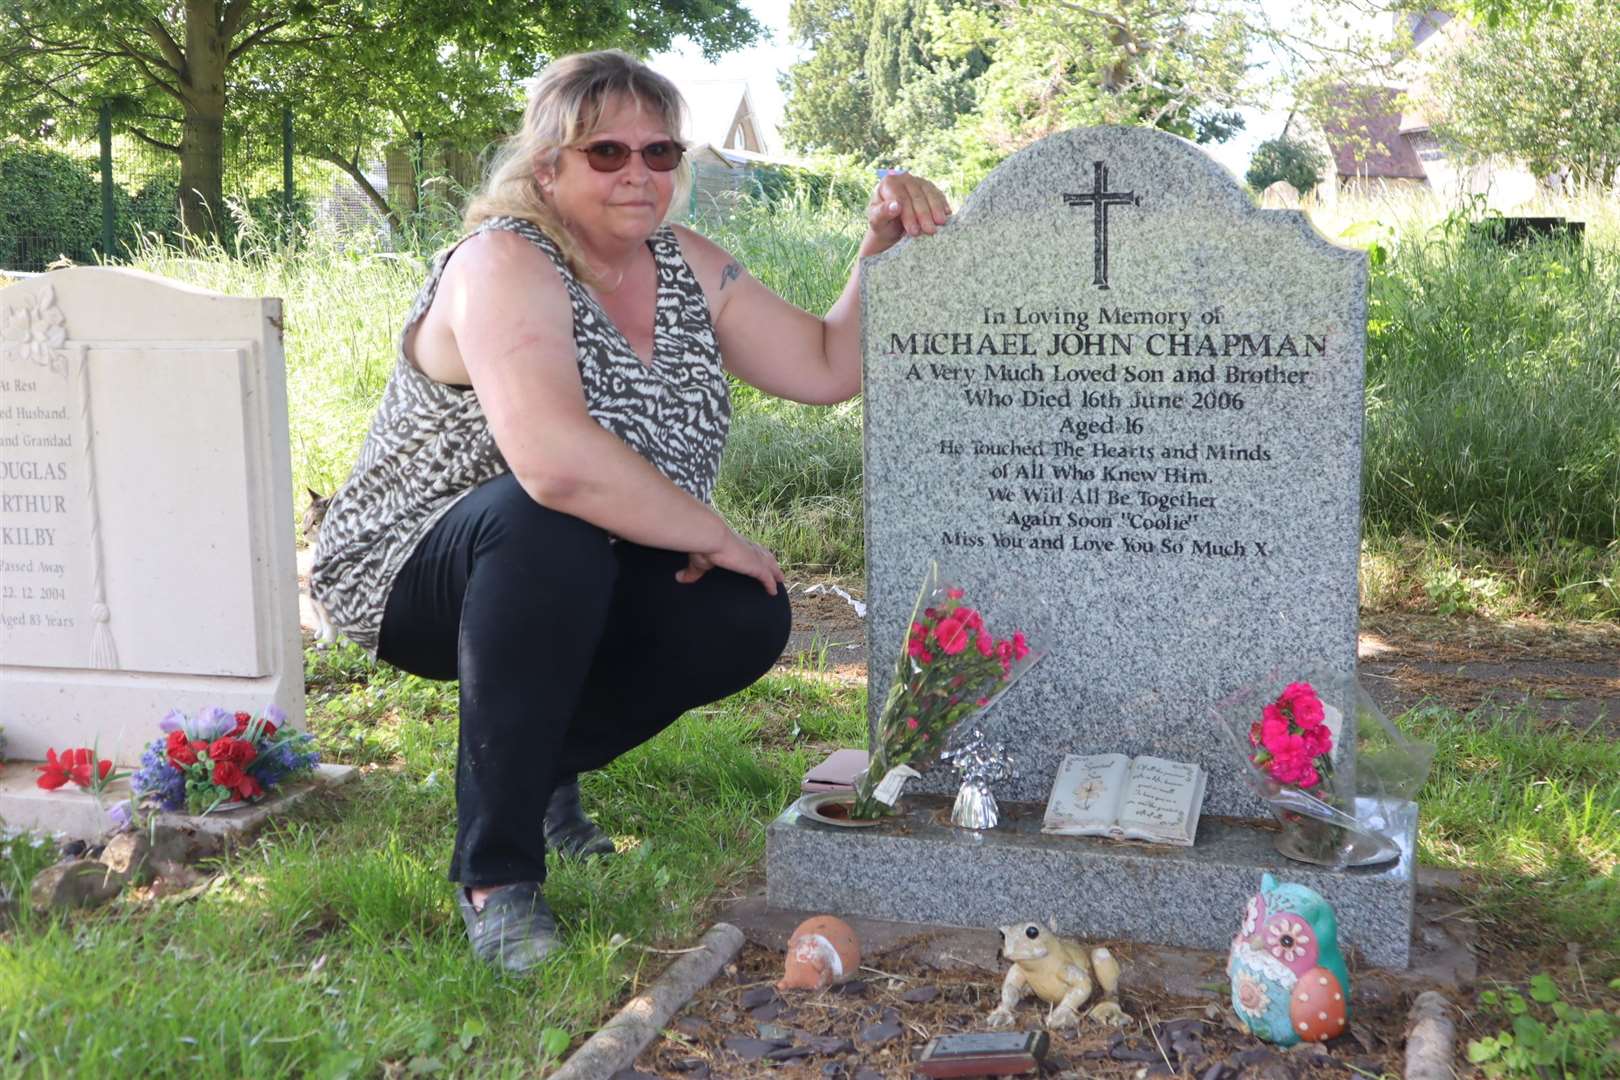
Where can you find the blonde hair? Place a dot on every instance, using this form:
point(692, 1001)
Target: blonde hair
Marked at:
point(564, 107)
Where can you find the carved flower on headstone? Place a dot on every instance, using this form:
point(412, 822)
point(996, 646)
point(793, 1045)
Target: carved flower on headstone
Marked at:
point(37, 330)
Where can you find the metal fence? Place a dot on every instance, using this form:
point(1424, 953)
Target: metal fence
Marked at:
point(90, 200)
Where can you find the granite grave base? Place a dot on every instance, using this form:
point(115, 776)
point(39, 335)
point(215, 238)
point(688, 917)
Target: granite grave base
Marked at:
point(917, 867)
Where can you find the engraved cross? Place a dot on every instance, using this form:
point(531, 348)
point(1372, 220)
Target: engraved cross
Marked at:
point(1099, 198)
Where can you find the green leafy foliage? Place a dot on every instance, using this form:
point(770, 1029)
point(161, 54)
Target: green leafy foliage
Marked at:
point(813, 190)
point(1547, 1036)
point(1513, 12)
point(949, 88)
point(356, 72)
point(1548, 95)
point(22, 855)
point(46, 197)
point(1283, 158)
point(554, 1042)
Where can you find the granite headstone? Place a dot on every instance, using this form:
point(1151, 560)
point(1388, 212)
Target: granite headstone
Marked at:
point(1132, 402)
point(1128, 401)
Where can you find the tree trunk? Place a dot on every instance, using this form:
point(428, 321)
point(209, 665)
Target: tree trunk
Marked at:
point(202, 169)
point(202, 138)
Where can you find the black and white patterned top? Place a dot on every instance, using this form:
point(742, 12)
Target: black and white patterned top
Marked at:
point(429, 443)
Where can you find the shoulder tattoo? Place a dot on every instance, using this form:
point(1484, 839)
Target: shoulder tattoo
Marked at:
point(731, 273)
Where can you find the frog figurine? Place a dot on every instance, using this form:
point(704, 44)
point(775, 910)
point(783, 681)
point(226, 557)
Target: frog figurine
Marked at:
point(1060, 972)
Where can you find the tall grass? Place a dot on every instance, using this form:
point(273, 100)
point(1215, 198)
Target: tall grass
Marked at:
point(1492, 436)
point(1493, 379)
point(1493, 406)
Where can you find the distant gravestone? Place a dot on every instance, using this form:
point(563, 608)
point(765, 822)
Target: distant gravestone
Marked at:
point(1119, 395)
point(146, 551)
point(1280, 195)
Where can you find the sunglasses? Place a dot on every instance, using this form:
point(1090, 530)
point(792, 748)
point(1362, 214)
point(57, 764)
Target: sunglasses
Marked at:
point(609, 155)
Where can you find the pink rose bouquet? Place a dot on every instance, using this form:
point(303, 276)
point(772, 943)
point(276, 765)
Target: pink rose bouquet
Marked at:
point(1331, 768)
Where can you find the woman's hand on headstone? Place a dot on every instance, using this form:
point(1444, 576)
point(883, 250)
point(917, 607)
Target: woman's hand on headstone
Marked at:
point(903, 205)
point(739, 555)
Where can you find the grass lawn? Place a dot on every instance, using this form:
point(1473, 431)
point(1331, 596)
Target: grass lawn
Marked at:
point(331, 946)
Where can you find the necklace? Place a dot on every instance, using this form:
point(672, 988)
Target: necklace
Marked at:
point(609, 290)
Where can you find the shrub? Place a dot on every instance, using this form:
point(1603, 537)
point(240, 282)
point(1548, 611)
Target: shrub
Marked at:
point(50, 205)
point(814, 189)
point(155, 209)
point(1287, 159)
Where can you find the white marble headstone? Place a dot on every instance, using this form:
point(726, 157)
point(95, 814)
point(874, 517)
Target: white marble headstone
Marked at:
point(146, 542)
point(1114, 389)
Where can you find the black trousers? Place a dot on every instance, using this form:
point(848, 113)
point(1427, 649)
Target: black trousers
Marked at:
point(570, 648)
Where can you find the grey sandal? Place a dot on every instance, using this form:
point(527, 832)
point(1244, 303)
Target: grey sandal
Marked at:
point(515, 929)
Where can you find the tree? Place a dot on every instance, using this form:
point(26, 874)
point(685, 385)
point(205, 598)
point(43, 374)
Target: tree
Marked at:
point(1495, 13)
point(873, 74)
point(1288, 159)
point(1548, 97)
point(951, 86)
point(170, 69)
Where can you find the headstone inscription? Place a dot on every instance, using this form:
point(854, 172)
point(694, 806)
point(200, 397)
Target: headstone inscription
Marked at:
point(1132, 400)
point(146, 554)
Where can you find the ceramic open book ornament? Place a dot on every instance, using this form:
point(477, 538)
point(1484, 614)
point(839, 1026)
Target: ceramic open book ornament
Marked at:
point(1331, 767)
point(961, 652)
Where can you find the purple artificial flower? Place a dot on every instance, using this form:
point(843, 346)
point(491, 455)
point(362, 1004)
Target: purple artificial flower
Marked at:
point(211, 723)
point(173, 720)
point(120, 814)
point(276, 715)
point(157, 779)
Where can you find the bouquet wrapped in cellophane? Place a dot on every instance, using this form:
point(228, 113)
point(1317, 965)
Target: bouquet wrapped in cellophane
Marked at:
point(1330, 766)
point(954, 664)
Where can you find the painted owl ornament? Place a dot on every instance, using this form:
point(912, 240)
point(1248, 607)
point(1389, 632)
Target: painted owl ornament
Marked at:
point(1289, 982)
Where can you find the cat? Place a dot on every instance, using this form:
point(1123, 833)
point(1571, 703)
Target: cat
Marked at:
point(325, 632)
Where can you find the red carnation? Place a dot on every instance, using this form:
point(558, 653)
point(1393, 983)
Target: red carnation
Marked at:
point(230, 776)
point(951, 636)
point(236, 751)
point(180, 752)
point(244, 721)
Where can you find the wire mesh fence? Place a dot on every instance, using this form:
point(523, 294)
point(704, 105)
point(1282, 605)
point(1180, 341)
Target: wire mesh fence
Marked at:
point(89, 200)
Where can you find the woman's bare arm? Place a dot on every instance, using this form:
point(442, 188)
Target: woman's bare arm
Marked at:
point(784, 350)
